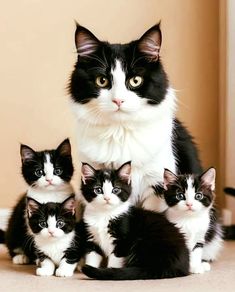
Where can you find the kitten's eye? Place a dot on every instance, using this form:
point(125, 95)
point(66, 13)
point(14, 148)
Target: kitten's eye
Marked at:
point(180, 196)
point(60, 223)
point(116, 191)
point(38, 172)
point(199, 196)
point(43, 224)
point(58, 171)
point(136, 81)
point(98, 191)
point(102, 81)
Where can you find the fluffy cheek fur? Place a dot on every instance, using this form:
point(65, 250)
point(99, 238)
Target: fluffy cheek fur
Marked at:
point(42, 183)
point(182, 207)
point(57, 233)
point(99, 201)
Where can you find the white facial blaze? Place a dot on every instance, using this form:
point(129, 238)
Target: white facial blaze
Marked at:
point(190, 192)
point(48, 168)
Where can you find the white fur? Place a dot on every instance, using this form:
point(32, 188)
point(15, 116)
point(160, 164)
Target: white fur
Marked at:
point(65, 269)
point(134, 131)
point(97, 216)
point(93, 259)
point(47, 268)
point(20, 259)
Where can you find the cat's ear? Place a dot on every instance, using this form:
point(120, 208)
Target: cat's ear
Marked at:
point(27, 153)
point(168, 178)
point(87, 172)
point(208, 178)
point(124, 172)
point(70, 205)
point(64, 149)
point(32, 206)
point(150, 43)
point(86, 43)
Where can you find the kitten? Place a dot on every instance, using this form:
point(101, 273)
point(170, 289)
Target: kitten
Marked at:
point(190, 201)
point(125, 110)
point(52, 227)
point(138, 243)
point(48, 174)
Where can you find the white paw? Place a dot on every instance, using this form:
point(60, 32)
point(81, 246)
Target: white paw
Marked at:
point(206, 266)
point(20, 259)
point(44, 272)
point(62, 272)
point(199, 269)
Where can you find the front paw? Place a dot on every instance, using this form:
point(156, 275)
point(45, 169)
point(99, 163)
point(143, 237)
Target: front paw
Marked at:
point(63, 272)
point(44, 272)
point(20, 259)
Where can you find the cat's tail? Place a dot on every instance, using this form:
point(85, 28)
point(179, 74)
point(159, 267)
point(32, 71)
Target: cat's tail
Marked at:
point(2, 236)
point(131, 273)
point(230, 191)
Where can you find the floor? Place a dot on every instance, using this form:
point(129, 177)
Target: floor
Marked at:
point(22, 278)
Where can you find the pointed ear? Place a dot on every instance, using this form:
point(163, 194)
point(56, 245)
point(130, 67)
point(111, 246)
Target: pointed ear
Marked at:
point(26, 153)
point(86, 42)
point(150, 43)
point(208, 178)
point(124, 172)
point(32, 206)
point(64, 149)
point(70, 205)
point(169, 178)
point(87, 172)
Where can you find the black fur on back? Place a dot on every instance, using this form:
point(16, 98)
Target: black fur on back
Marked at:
point(152, 246)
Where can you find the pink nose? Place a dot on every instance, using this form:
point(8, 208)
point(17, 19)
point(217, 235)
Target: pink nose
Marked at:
point(51, 232)
point(118, 101)
point(106, 199)
point(189, 205)
point(49, 180)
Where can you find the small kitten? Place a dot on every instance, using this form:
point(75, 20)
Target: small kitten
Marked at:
point(138, 243)
point(52, 227)
point(190, 200)
point(48, 174)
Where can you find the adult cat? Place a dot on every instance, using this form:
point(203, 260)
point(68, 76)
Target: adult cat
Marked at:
point(125, 110)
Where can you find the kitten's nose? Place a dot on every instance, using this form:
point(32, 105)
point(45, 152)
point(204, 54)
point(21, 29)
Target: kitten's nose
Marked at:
point(189, 205)
point(118, 101)
point(51, 232)
point(106, 199)
point(49, 180)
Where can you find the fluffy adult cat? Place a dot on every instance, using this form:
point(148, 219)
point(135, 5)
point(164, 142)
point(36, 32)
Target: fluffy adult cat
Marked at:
point(48, 174)
point(125, 110)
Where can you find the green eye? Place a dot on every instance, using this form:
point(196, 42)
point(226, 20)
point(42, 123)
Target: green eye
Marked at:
point(43, 224)
point(180, 196)
point(102, 81)
point(38, 172)
point(98, 190)
point(199, 196)
point(58, 171)
point(136, 81)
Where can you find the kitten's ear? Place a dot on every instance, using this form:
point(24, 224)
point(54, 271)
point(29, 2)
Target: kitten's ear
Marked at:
point(26, 153)
point(86, 42)
point(87, 172)
point(70, 205)
point(208, 178)
point(150, 43)
point(32, 206)
point(169, 178)
point(64, 149)
point(124, 172)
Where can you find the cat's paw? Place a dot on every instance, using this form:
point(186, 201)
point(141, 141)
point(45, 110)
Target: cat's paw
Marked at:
point(206, 266)
point(199, 269)
point(20, 259)
point(63, 272)
point(44, 272)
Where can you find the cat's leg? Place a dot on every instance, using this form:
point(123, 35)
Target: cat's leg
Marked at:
point(115, 262)
point(20, 259)
point(93, 259)
point(65, 269)
point(196, 264)
point(47, 268)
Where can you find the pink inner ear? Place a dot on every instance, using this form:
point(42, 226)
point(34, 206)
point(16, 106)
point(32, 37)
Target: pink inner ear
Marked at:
point(85, 44)
point(150, 45)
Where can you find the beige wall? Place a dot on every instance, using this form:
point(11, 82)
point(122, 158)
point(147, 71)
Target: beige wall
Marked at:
point(37, 54)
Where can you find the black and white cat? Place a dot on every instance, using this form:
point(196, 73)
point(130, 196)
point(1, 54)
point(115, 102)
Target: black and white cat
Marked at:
point(52, 227)
point(190, 201)
point(125, 111)
point(48, 174)
point(138, 243)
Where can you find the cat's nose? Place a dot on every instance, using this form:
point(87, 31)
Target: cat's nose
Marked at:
point(49, 180)
point(106, 199)
point(189, 205)
point(117, 101)
point(51, 232)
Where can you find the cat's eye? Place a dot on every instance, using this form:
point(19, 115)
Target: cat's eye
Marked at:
point(60, 223)
point(38, 172)
point(58, 171)
point(98, 190)
point(43, 224)
point(199, 196)
point(180, 197)
point(102, 81)
point(116, 191)
point(136, 81)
